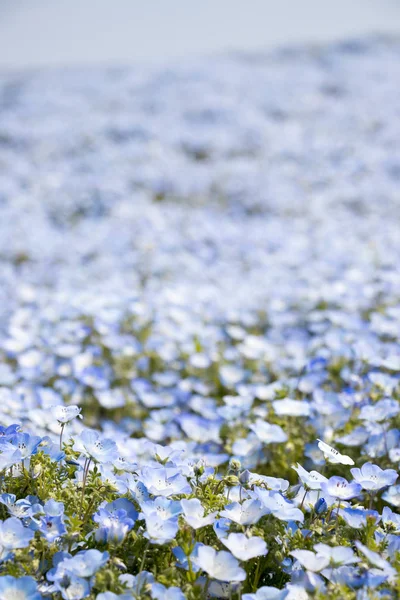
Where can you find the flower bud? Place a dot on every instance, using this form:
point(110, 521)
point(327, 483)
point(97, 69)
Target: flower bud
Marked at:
point(198, 469)
point(320, 506)
point(234, 465)
point(244, 477)
point(231, 480)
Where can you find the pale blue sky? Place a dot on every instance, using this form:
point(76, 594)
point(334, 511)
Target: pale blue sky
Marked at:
point(58, 32)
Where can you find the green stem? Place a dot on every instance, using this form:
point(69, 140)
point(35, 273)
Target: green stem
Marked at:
point(61, 434)
point(304, 497)
point(257, 575)
point(141, 567)
point(85, 474)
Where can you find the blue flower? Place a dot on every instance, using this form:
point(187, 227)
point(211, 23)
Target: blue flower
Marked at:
point(52, 527)
point(90, 445)
point(160, 531)
point(357, 517)
point(334, 456)
point(9, 431)
point(219, 565)
point(13, 535)
point(160, 592)
point(380, 411)
point(340, 488)
point(312, 479)
point(112, 596)
point(72, 587)
point(183, 559)
point(51, 449)
point(65, 414)
point(247, 513)
point(244, 547)
point(337, 555)
point(193, 513)
point(16, 508)
point(9, 454)
point(163, 507)
point(114, 524)
point(267, 433)
point(279, 506)
point(389, 518)
point(311, 561)
point(271, 593)
point(27, 444)
point(24, 588)
point(162, 481)
point(372, 477)
point(83, 565)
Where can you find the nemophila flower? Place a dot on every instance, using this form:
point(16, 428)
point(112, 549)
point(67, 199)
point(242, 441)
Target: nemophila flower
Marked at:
point(9, 454)
point(65, 414)
point(122, 504)
point(267, 433)
point(163, 507)
point(13, 535)
point(390, 519)
point(115, 520)
point(112, 596)
point(340, 488)
point(137, 489)
point(6, 432)
point(72, 587)
point(219, 565)
point(357, 518)
point(356, 437)
point(160, 592)
point(16, 508)
point(164, 481)
point(272, 483)
point(90, 445)
point(221, 527)
point(337, 555)
point(110, 477)
point(243, 547)
point(138, 583)
point(52, 527)
point(51, 449)
point(22, 588)
point(160, 531)
point(349, 576)
point(394, 455)
point(199, 429)
point(380, 444)
point(247, 513)
point(292, 408)
point(372, 477)
point(312, 479)
point(333, 455)
point(122, 464)
point(271, 593)
point(392, 495)
point(193, 513)
point(380, 411)
point(377, 561)
point(70, 572)
point(183, 559)
point(311, 561)
point(27, 444)
point(279, 506)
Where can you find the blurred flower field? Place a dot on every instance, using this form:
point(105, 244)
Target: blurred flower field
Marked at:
point(199, 328)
